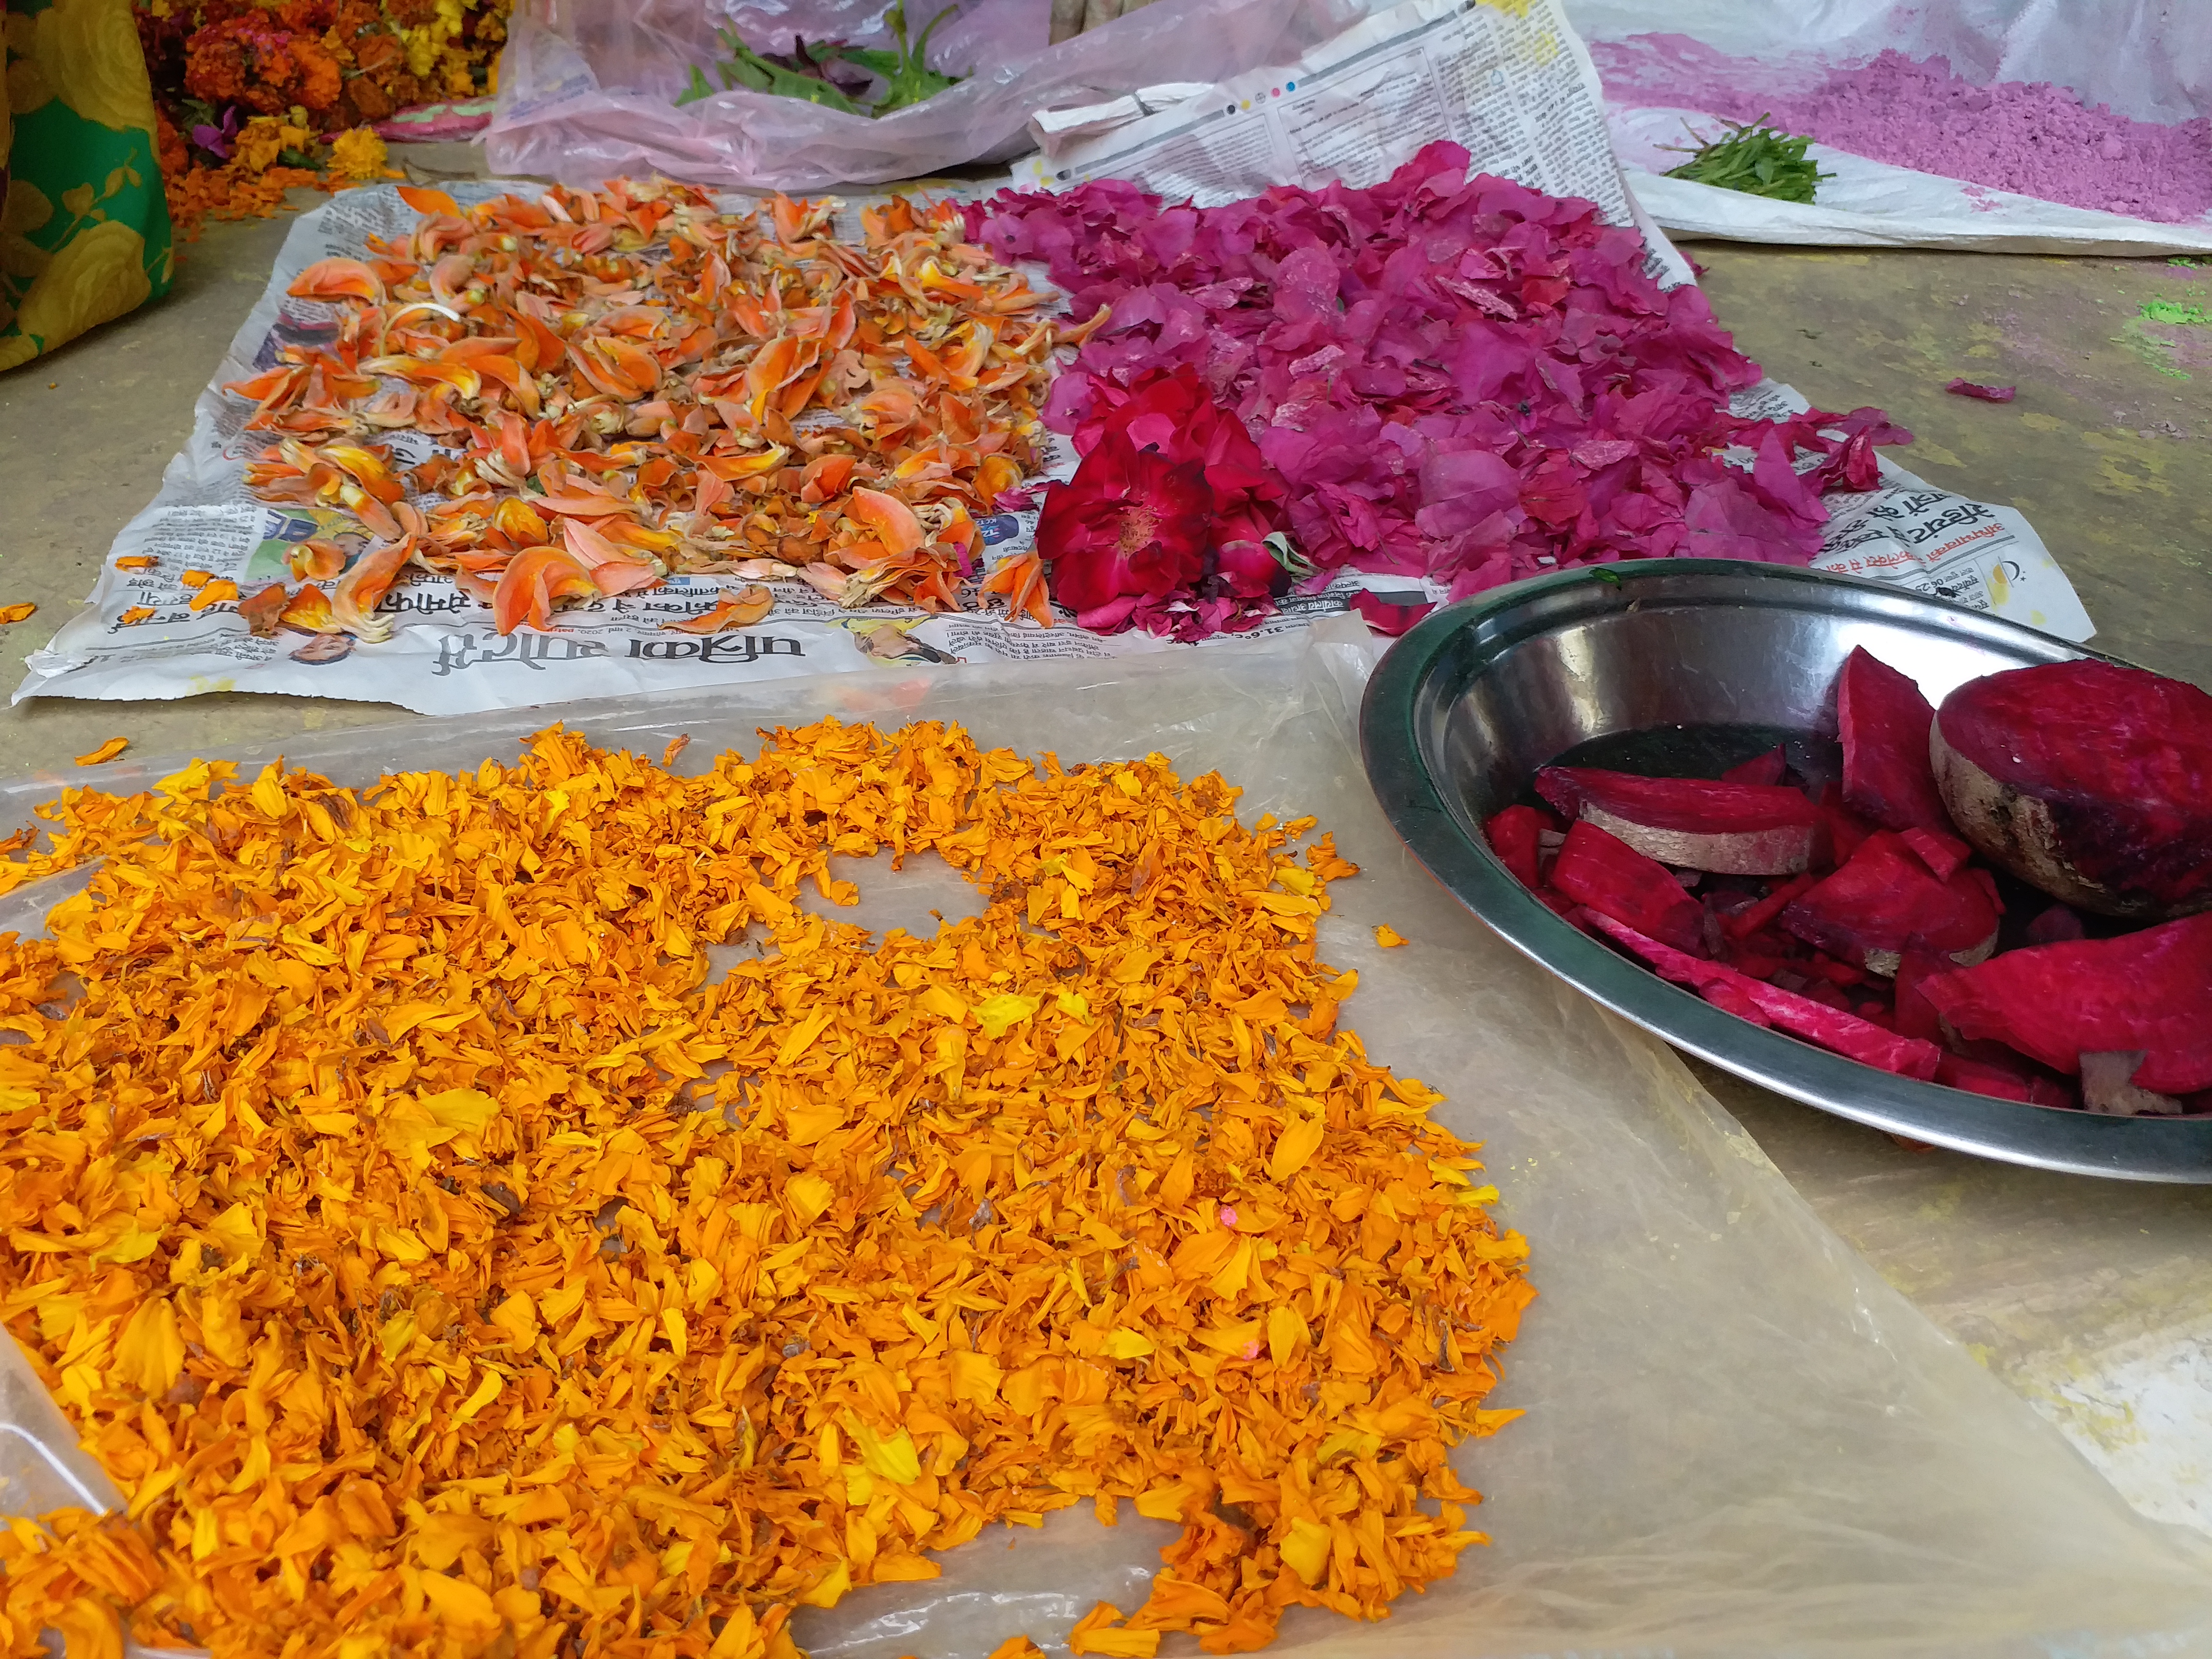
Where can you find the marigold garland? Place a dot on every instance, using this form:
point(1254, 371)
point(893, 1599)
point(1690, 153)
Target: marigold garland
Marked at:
point(442, 1258)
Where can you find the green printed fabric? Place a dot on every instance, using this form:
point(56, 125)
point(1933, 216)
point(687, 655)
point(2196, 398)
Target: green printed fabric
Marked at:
point(84, 233)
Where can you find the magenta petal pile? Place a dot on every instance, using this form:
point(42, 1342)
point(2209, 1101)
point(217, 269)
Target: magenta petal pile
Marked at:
point(1454, 378)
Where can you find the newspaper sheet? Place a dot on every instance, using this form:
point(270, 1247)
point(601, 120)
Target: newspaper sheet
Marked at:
point(1920, 536)
point(1513, 85)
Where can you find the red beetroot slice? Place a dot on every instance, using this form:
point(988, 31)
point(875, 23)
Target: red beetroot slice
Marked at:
point(2150, 991)
point(2000, 1082)
point(1885, 901)
point(1939, 850)
point(1841, 1033)
point(2091, 780)
point(1883, 721)
point(1766, 769)
point(1516, 835)
point(1693, 823)
point(1612, 879)
point(1745, 923)
point(1916, 1016)
point(1842, 829)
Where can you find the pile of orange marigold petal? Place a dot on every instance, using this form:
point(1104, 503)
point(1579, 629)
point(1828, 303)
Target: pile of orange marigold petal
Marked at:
point(630, 382)
point(441, 1258)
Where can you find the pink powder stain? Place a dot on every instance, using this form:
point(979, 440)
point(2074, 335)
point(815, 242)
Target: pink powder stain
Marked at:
point(2030, 138)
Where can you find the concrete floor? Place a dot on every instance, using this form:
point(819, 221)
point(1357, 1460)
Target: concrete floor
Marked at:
point(2092, 1299)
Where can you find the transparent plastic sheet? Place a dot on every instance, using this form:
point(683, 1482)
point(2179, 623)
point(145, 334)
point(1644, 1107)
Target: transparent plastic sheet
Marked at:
point(588, 86)
point(1739, 1439)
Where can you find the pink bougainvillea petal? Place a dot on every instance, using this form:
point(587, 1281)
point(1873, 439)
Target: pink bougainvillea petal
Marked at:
point(1444, 376)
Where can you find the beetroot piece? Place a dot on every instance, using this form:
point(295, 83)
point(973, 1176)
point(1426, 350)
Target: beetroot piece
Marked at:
point(1516, 835)
point(1939, 849)
point(2001, 1082)
point(1841, 828)
point(1886, 902)
point(1916, 1016)
point(1612, 879)
point(2150, 991)
point(2089, 780)
point(1883, 721)
point(1767, 768)
point(1745, 923)
point(1835, 1029)
point(1731, 829)
point(2055, 927)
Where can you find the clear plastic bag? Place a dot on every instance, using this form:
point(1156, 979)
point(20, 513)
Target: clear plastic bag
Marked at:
point(1739, 1439)
point(587, 87)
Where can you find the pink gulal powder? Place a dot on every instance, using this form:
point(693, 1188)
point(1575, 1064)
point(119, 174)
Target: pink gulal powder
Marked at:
point(2032, 138)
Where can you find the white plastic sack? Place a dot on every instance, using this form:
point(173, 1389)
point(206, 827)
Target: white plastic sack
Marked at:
point(2149, 60)
point(1740, 1440)
point(587, 87)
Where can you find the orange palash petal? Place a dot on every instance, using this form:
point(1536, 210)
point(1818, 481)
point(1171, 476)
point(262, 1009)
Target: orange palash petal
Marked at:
point(17, 612)
point(443, 1256)
point(639, 357)
point(107, 751)
point(136, 561)
point(1387, 936)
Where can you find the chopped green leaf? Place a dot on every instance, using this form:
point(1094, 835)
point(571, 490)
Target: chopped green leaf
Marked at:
point(907, 76)
point(696, 90)
point(1756, 159)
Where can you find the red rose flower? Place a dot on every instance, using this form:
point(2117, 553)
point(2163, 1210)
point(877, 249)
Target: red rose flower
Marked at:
point(1129, 527)
point(1165, 523)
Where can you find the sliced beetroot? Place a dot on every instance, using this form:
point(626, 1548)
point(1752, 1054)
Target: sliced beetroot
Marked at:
point(1916, 1016)
point(2001, 1082)
point(1746, 922)
point(2055, 927)
point(1836, 1029)
point(1767, 768)
point(2150, 991)
point(1841, 828)
point(1698, 823)
point(1610, 877)
point(2091, 780)
point(1942, 851)
point(1884, 901)
point(1516, 837)
point(1883, 721)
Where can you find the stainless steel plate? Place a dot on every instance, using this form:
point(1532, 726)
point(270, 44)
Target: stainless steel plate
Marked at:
point(1466, 706)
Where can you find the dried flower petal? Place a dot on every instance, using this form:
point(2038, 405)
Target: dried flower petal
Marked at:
point(441, 1258)
point(1454, 378)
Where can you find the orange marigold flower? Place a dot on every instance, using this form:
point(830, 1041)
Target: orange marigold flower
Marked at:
point(441, 1258)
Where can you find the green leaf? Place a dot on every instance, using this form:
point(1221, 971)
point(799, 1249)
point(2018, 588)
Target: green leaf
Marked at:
point(1756, 159)
point(696, 90)
point(913, 81)
point(1287, 555)
point(885, 64)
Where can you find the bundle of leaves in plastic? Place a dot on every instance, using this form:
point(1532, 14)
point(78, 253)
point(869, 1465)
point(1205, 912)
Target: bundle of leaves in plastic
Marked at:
point(1456, 378)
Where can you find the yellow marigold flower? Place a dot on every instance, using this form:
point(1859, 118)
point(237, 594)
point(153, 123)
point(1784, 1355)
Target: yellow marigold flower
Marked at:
point(358, 153)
